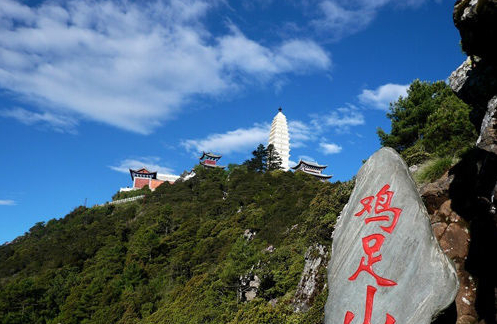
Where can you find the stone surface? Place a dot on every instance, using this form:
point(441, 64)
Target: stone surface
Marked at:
point(467, 210)
point(425, 279)
point(248, 287)
point(475, 81)
point(436, 193)
point(249, 234)
point(311, 281)
point(475, 20)
point(488, 131)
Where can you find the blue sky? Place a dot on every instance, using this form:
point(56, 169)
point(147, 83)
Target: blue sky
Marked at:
point(91, 88)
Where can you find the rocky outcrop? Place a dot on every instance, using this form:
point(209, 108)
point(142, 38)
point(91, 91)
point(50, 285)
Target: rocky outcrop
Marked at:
point(475, 81)
point(452, 232)
point(471, 205)
point(475, 20)
point(463, 219)
point(311, 281)
point(248, 287)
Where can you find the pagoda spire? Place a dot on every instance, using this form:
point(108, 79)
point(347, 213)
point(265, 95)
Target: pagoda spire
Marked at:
point(280, 138)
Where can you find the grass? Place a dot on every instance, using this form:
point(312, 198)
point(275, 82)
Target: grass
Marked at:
point(433, 169)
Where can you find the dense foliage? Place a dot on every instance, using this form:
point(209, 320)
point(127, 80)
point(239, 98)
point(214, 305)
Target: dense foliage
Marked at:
point(175, 256)
point(429, 122)
point(264, 159)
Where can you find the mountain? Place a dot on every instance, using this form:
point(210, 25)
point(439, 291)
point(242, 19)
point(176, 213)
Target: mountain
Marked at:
point(192, 252)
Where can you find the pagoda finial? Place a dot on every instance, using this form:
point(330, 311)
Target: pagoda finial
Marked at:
point(280, 109)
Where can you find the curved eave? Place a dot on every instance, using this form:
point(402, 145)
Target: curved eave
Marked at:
point(212, 156)
point(132, 172)
point(310, 164)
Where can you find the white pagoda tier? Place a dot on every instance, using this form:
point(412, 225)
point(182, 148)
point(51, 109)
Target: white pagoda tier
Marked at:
point(280, 139)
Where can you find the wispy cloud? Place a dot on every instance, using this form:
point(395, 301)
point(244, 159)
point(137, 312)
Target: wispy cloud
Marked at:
point(381, 97)
point(132, 65)
point(340, 18)
point(330, 148)
point(307, 158)
point(239, 140)
point(59, 123)
point(300, 132)
point(152, 163)
point(340, 120)
point(7, 202)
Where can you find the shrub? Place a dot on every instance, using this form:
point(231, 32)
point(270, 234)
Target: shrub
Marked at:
point(434, 169)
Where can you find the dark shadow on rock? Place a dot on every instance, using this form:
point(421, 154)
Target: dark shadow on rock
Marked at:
point(471, 191)
point(479, 87)
point(448, 315)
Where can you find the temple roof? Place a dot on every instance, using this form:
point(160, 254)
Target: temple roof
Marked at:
point(142, 171)
point(319, 175)
point(210, 155)
point(311, 164)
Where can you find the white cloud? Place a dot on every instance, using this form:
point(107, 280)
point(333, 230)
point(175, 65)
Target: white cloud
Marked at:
point(307, 158)
point(339, 18)
point(151, 163)
point(133, 65)
point(239, 140)
point(340, 119)
point(59, 123)
point(300, 132)
point(7, 202)
point(340, 21)
point(381, 97)
point(330, 148)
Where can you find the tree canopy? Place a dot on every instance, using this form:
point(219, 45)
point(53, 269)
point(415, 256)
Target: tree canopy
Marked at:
point(177, 255)
point(264, 159)
point(429, 120)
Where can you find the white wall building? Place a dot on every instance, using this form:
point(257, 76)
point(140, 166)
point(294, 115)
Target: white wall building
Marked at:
point(280, 139)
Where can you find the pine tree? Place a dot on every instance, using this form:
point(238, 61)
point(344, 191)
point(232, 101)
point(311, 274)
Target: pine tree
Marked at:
point(273, 158)
point(259, 162)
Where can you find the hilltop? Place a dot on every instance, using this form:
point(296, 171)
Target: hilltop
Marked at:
point(192, 252)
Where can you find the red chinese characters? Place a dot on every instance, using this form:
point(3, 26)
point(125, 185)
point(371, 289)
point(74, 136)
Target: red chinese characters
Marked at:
point(371, 259)
point(371, 244)
point(382, 204)
point(349, 316)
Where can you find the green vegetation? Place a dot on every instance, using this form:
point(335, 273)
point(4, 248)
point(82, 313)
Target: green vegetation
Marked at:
point(433, 169)
point(264, 159)
point(430, 121)
point(429, 124)
point(175, 256)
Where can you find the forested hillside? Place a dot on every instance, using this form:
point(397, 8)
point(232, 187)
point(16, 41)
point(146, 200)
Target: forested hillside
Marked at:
point(178, 255)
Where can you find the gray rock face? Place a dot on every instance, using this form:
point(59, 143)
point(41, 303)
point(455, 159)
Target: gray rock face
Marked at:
point(475, 81)
point(488, 132)
point(386, 265)
point(311, 281)
point(475, 20)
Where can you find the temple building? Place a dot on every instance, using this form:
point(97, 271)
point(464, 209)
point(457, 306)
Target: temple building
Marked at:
point(313, 169)
point(143, 177)
point(280, 139)
point(209, 160)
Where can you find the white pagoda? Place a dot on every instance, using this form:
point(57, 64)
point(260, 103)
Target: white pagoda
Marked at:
point(280, 139)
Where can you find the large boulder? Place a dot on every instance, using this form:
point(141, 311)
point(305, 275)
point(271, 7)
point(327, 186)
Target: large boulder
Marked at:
point(386, 265)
